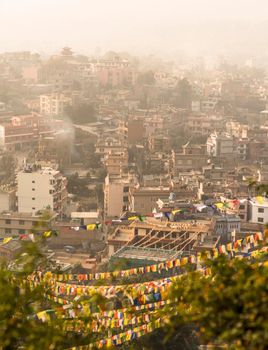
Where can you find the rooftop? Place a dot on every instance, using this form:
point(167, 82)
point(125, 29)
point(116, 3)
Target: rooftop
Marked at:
point(85, 215)
point(36, 168)
point(30, 216)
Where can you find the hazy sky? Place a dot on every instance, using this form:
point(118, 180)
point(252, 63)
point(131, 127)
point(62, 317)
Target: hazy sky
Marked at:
point(137, 25)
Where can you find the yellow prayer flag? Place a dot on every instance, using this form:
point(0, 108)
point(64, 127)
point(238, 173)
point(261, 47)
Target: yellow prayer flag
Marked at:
point(6, 240)
point(132, 218)
point(219, 205)
point(175, 211)
point(260, 199)
point(91, 227)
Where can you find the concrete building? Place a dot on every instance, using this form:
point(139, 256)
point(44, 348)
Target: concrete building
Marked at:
point(191, 158)
point(258, 211)
point(220, 144)
point(225, 225)
point(144, 198)
point(24, 131)
point(116, 162)
point(159, 143)
point(114, 72)
point(55, 104)
point(41, 188)
point(236, 129)
point(117, 190)
point(109, 145)
point(14, 223)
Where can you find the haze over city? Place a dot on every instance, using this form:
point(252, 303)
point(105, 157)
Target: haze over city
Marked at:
point(133, 174)
point(140, 27)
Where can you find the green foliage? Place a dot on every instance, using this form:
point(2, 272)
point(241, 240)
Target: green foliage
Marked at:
point(262, 189)
point(7, 167)
point(21, 300)
point(17, 328)
point(78, 186)
point(81, 114)
point(229, 307)
point(184, 94)
point(183, 338)
point(146, 78)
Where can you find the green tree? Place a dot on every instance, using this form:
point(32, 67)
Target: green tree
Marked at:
point(21, 300)
point(146, 78)
point(184, 93)
point(229, 307)
point(7, 168)
point(251, 184)
point(81, 114)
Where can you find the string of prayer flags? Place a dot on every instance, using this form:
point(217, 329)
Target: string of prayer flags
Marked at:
point(89, 227)
point(119, 339)
point(248, 242)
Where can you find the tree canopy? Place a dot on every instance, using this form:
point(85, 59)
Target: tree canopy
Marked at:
point(81, 114)
point(229, 307)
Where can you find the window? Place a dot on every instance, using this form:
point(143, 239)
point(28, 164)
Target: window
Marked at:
point(33, 199)
point(242, 216)
point(21, 232)
point(7, 230)
point(33, 208)
point(50, 191)
point(260, 210)
point(242, 206)
point(125, 198)
point(126, 189)
point(21, 222)
point(33, 189)
point(260, 219)
point(33, 182)
point(8, 222)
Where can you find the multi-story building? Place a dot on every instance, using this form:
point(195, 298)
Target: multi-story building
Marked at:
point(220, 144)
point(159, 143)
point(41, 188)
point(114, 72)
point(116, 162)
point(14, 223)
point(55, 104)
point(109, 145)
point(258, 210)
point(117, 194)
point(144, 198)
point(190, 158)
point(236, 129)
point(202, 125)
point(24, 131)
point(225, 225)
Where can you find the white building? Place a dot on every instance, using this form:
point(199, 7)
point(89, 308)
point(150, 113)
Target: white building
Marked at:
point(54, 104)
point(258, 211)
point(41, 188)
point(220, 144)
point(236, 129)
point(117, 192)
